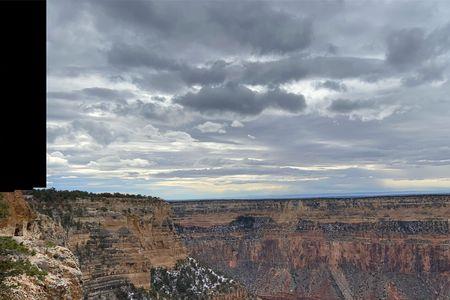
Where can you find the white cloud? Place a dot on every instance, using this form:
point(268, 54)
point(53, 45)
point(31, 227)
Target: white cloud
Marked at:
point(56, 160)
point(427, 183)
point(116, 163)
point(236, 124)
point(211, 127)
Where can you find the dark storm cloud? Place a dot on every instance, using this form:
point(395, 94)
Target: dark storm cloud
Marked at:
point(231, 97)
point(125, 56)
point(63, 95)
point(331, 85)
point(285, 101)
point(159, 82)
point(105, 93)
point(239, 99)
point(255, 24)
point(296, 68)
point(262, 27)
point(101, 132)
point(55, 132)
point(425, 74)
point(142, 13)
point(346, 105)
point(406, 47)
point(92, 93)
point(63, 110)
point(410, 47)
point(200, 75)
point(148, 110)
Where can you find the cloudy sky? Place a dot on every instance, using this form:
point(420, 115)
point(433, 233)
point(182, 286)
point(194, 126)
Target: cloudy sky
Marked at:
point(212, 99)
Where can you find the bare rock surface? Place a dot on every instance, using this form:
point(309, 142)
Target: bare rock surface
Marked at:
point(63, 275)
point(116, 239)
point(124, 241)
point(356, 248)
point(33, 253)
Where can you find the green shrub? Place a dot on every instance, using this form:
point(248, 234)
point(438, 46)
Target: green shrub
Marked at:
point(50, 244)
point(14, 263)
point(9, 246)
point(11, 268)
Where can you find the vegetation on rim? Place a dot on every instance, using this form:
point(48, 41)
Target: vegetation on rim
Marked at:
point(13, 262)
point(59, 195)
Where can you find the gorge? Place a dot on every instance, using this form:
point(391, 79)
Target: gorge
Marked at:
point(356, 248)
point(137, 247)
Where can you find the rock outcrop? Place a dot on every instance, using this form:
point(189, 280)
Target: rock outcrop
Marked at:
point(34, 262)
point(117, 240)
point(125, 243)
point(17, 215)
point(367, 248)
point(62, 275)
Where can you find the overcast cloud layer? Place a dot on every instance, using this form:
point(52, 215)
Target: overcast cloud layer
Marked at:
point(199, 99)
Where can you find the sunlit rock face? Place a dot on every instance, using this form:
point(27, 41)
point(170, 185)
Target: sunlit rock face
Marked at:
point(48, 269)
point(367, 248)
point(117, 240)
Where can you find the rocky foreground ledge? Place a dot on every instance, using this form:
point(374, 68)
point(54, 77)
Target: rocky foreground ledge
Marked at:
point(34, 260)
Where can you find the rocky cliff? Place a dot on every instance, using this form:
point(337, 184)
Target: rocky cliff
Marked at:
point(124, 242)
point(34, 264)
point(367, 248)
point(117, 240)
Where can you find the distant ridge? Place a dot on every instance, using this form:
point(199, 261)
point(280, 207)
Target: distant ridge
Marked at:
point(323, 195)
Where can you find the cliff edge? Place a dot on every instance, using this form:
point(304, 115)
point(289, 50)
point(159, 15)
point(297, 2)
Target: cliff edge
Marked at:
point(124, 243)
point(34, 264)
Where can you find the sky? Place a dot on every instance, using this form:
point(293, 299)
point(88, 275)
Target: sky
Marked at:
point(248, 99)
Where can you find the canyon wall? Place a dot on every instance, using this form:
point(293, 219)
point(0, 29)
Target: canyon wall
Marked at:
point(128, 248)
point(117, 240)
point(366, 248)
point(34, 262)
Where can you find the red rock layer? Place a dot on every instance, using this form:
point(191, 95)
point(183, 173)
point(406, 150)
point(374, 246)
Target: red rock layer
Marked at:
point(371, 248)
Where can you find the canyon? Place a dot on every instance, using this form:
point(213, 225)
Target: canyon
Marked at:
point(115, 246)
point(354, 248)
point(121, 241)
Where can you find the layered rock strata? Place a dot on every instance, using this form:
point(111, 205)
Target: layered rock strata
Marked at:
point(365, 248)
point(117, 240)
